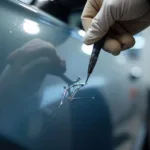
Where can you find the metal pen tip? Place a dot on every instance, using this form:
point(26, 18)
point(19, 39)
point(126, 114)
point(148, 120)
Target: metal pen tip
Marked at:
point(87, 78)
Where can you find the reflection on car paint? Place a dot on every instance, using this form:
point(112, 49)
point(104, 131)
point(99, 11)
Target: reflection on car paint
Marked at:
point(31, 27)
point(30, 111)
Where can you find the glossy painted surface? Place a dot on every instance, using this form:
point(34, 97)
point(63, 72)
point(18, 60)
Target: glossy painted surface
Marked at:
point(29, 112)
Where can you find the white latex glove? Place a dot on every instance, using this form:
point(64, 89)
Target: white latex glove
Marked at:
point(119, 19)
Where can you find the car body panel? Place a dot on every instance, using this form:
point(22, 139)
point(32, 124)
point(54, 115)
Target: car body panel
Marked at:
point(32, 117)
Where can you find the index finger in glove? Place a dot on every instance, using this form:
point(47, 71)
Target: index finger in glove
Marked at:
point(91, 9)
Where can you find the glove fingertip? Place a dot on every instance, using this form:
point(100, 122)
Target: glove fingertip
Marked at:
point(92, 36)
point(87, 42)
point(116, 53)
point(90, 41)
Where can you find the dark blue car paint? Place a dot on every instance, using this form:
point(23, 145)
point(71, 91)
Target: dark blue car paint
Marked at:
point(30, 120)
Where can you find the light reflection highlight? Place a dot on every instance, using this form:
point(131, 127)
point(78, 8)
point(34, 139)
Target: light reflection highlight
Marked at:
point(136, 71)
point(81, 33)
point(87, 49)
point(26, 1)
point(31, 27)
point(139, 42)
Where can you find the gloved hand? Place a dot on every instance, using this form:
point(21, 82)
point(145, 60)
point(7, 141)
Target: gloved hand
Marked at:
point(119, 19)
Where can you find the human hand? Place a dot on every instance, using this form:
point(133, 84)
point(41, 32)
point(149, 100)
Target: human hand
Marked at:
point(29, 64)
point(37, 52)
point(119, 19)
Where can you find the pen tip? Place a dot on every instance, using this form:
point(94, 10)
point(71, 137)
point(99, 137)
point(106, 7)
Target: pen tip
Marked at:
point(87, 78)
